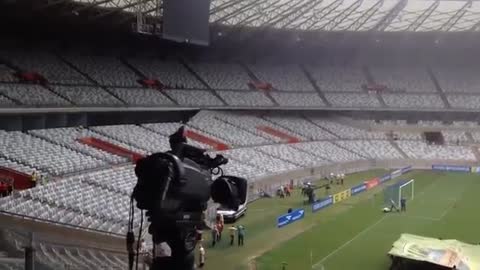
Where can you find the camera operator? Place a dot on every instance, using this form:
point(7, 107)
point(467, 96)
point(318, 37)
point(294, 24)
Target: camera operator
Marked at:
point(174, 188)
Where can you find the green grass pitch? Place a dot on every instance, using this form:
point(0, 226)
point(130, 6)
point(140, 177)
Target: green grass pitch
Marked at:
point(353, 234)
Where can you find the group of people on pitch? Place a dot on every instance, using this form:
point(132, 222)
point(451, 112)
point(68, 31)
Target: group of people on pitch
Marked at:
point(217, 230)
point(403, 206)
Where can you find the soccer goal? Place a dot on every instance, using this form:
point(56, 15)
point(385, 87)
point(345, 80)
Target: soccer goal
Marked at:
point(395, 192)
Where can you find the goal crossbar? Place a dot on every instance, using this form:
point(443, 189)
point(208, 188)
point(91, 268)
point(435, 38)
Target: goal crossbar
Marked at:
point(410, 182)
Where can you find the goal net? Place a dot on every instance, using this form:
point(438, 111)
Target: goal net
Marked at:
point(392, 194)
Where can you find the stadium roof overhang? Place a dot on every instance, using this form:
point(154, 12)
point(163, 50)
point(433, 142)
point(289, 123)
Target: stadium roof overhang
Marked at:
point(303, 15)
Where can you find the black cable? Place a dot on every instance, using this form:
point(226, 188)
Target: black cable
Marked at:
point(139, 238)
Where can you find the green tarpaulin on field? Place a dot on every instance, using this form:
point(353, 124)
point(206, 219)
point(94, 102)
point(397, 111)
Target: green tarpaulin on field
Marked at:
point(448, 253)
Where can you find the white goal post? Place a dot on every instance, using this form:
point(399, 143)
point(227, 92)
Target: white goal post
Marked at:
point(408, 186)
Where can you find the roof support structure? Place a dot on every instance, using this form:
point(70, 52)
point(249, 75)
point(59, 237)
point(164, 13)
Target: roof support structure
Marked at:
point(295, 14)
point(324, 12)
point(423, 17)
point(272, 12)
point(218, 8)
point(335, 21)
point(457, 16)
point(233, 11)
point(387, 19)
point(120, 8)
point(361, 20)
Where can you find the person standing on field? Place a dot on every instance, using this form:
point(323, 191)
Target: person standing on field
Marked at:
point(201, 256)
point(232, 231)
point(241, 234)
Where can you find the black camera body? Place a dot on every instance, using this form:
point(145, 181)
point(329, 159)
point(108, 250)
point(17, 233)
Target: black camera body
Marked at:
point(174, 188)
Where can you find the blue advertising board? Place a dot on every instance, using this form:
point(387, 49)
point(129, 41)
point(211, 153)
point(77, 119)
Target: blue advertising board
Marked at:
point(290, 218)
point(358, 189)
point(450, 168)
point(406, 169)
point(322, 203)
point(386, 177)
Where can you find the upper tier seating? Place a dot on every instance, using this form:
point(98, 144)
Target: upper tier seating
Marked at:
point(404, 79)
point(372, 149)
point(38, 153)
point(298, 99)
point(353, 100)
point(171, 73)
point(458, 79)
point(67, 137)
point(106, 70)
point(34, 95)
point(142, 140)
point(194, 97)
point(420, 101)
point(142, 97)
point(87, 96)
point(301, 127)
point(337, 78)
point(408, 136)
point(348, 132)
point(421, 150)
point(464, 101)
point(207, 123)
point(245, 98)
point(46, 64)
point(283, 77)
point(223, 76)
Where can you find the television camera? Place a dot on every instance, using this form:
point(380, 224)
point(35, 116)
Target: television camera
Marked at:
point(174, 188)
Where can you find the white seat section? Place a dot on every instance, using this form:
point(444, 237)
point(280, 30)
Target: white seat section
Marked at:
point(30, 94)
point(245, 98)
point(142, 96)
point(454, 136)
point(17, 166)
point(430, 101)
point(136, 136)
point(253, 157)
point(404, 79)
point(338, 78)
point(223, 76)
point(38, 153)
point(421, 150)
point(294, 155)
point(249, 122)
point(347, 132)
point(165, 129)
point(464, 101)
point(87, 95)
point(68, 137)
point(476, 136)
point(352, 100)
point(408, 136)
point(374, 149)
point(301, 127)
point(106, 70)
point(328, 151)
point(6, 74)
point(194, 97)
point(46, 64)
point(207, 123)
point(171, 73)
point(283, 77)
point(5, 102)
point(297, 99)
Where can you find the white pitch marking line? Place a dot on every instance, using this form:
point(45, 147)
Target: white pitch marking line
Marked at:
point(348, 242)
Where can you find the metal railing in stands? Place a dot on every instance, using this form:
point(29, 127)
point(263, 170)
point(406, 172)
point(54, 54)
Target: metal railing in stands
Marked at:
point(59, 224)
